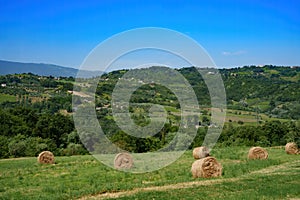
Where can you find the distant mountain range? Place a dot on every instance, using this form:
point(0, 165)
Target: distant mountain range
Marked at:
point(41, 69)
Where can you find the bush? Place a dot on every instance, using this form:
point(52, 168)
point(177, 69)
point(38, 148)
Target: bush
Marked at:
point(74, 149)
point(17, 146)
point(35, 145)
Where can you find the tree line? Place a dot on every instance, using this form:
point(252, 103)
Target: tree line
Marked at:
point(25, 132)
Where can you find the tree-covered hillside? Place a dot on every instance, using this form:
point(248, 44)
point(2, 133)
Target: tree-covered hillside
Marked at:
point(269, 89)
point(9, 67)
point(36, 111)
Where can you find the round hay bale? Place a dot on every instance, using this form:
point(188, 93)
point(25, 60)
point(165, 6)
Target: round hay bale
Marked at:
point(206, 167)
point(291, 148)
point(123, 161)
point(46, 157)
point(200, 152)
point(257, 153)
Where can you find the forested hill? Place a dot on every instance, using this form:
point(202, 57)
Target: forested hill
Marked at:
point(41, 69)
point(270, 89)
point(36, 111)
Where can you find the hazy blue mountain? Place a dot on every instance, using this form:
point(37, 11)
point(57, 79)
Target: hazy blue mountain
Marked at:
point(9, 67)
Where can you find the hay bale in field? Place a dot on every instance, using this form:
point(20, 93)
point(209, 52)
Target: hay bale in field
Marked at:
point(257, 153)
point(46, 157)
point(292, 148)
point(200, 152)
point(123, 161)
point(206, 167)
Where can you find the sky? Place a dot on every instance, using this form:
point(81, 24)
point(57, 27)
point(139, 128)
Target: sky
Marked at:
point(233, 32)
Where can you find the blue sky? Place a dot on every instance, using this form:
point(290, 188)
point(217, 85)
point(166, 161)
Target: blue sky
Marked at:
point(234, 33)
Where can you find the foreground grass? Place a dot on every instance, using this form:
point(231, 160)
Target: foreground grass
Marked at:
point(77, 176)
point(258, 187)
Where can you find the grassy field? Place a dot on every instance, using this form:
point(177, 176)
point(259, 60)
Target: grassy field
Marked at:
point(7, 97)
point(235, 116)
point(248, 118)
point(83, 177)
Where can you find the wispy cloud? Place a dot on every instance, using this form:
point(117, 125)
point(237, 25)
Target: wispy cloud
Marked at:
point(234, 53)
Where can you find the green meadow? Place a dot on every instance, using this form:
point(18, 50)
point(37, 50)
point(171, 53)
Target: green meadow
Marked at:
point(7, 97)
point(84, 177)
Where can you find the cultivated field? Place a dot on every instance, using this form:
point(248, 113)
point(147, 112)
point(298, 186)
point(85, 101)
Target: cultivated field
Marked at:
point(7, 97)
point(83, 177)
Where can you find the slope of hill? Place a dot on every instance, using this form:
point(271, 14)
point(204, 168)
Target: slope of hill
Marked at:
point(8, 67)
point(36, 111)
point(270, 89)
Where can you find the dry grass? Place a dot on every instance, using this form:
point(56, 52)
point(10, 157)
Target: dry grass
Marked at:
point(291, 148)
point(206, 168)
point(257, 153)
point(123, 161)
point(46, 157)
point(200, 152)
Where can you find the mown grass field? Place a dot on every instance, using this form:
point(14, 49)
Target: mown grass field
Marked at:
point(235, 116)
point(7, 97)
point(83, 177)
point(248, 118)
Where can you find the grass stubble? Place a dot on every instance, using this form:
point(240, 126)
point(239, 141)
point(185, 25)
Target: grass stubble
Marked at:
point(83, 177)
